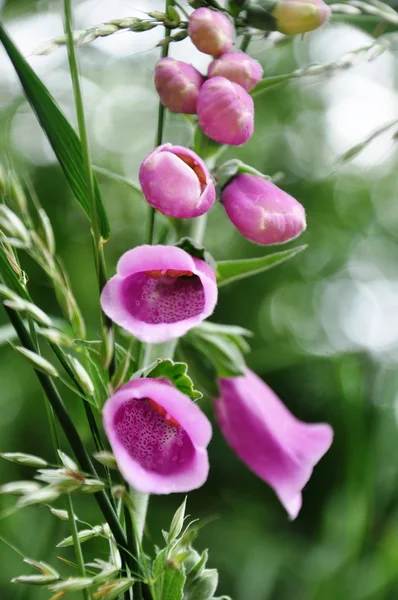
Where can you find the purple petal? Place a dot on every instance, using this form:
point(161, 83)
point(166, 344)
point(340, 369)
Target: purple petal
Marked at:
point(158, 436)
point(274, 444)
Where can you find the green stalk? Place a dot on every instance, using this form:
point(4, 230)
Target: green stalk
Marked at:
point(245, 42)
point(77, 546)
point(98, 242)
point(72, 436)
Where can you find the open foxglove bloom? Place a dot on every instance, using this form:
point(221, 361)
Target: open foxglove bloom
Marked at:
point(261, 211)
point(176, 181)
point(266, 436)
point(159, 293)
point(158, 436)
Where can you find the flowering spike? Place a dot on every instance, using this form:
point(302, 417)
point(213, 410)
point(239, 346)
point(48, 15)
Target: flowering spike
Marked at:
point(178, 85)
point(225, 111)
point(261, 211)
point(238, 67)
point(155, 455)
point(210, 31)
point(152, 297)
point(177, 182)
point(274, 444)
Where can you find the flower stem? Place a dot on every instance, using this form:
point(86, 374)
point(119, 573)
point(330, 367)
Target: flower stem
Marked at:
point(77, 546)
point(245, 42)
point(95, 224)
point(71, 434)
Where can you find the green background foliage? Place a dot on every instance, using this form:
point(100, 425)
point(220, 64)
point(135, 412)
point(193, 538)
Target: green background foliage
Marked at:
point(325, 324)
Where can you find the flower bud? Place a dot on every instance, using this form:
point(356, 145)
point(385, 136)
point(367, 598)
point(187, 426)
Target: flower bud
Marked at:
point(238, 67)
point(288, 16)
point(176, 182)
point(210, 31)
point(261, 211)
point(300, 16)
point(225, 111)
point(177, 84)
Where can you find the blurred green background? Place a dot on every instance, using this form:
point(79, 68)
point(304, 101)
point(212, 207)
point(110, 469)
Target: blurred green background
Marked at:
point(326, 323)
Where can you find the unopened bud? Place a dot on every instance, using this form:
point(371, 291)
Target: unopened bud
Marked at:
point(225, 111)
point(37, 361)
point(288, 16)
point(210, 31)
point(177, 182)
point(262, 212)
point(28, 460)
point(178, 85)
point(238, 67)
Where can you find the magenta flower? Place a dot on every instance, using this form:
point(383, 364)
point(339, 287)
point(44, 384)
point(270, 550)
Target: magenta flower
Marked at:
point(225, 111)
point(274, 444)
point(238, 67)
point(158, 436)
point(159, 293)
point(210, 31)
point(176, 182)
point(299, 16)
point(261, 211)
point(177, 84)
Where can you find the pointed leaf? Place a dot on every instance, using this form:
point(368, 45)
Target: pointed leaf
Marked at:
point(61, 135)
point(232, 270)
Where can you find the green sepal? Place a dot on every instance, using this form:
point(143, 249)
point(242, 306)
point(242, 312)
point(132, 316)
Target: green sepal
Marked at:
point(175, 372)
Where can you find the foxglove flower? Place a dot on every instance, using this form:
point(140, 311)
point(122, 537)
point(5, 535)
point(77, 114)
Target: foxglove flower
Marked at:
point(159, 293)
point(261, 211)
point(210, 31)
point(158, 437)
point(238, 67)
point(178, 85)
point(176, 182)
point(274, 444)
point(299, 16)
point(225, 111)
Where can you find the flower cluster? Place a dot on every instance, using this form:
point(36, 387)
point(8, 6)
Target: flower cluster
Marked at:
point(225, 109)
point(158, 435)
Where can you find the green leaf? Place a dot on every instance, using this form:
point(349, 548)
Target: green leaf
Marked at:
point(232, 270)
point(234, 333)
point(196, 250)
point(177, 522)
point(203, 587)
point(224, 354)
point(61, 135)
point(169, 584)
point(175, 372)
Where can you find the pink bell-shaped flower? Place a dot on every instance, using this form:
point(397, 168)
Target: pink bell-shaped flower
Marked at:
point(210, 31)
point(238, 67)
point(178, 85)
point(262, 212)
point(159, 293)
point(266, 436)
point(225, 111)
point(158, 436)
point(176, 182)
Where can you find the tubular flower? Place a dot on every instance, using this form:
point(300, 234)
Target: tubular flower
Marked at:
point(238, 67)
point(262, 212)
point(266, 436)
point(210, 31)
point(177, 84)
point(225, 111)
point(176, 182)
point(158, 436)
point(159, 293)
